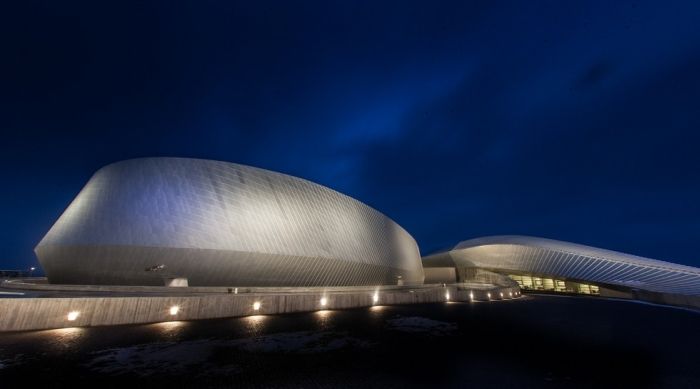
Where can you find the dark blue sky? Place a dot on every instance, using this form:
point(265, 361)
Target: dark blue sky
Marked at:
point(568, 120)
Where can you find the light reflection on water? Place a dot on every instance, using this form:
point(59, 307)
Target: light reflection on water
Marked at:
point(170, 330)
point(377, 313)
point(65, 338)
point(324, 318)
point(377, 308)
point(255, 324)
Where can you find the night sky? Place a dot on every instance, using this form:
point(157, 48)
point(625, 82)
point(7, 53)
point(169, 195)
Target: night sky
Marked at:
point(568, 120)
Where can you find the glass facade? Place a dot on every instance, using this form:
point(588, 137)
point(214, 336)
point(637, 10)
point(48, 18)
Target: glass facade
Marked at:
point(529, 282)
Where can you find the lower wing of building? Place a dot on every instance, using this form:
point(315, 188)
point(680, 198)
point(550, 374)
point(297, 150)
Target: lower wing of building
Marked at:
point(549, 265)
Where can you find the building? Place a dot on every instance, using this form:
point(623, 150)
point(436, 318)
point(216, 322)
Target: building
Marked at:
point(550, 265)
point(193, 222)
point(179, 221)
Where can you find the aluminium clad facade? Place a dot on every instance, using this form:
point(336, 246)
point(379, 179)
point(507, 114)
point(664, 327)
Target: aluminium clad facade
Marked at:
point(546, 257)
point(221, 224)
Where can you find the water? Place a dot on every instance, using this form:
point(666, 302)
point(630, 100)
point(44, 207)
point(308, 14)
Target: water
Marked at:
point(536, 341)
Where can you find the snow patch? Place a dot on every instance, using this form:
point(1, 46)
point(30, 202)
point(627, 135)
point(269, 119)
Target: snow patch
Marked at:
point(300, 342)
point(204, 355)
point(17, 360)
point(416, 324)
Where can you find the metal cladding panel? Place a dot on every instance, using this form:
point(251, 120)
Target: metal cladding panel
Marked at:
point(201, 206)
point(572, 261)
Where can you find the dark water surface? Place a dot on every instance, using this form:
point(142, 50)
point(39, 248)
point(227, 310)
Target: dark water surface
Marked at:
point(535, 341)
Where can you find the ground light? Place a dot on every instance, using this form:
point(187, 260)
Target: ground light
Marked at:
point(256, 306)
point(324, 301)
point(72, 315)
point(174, 310)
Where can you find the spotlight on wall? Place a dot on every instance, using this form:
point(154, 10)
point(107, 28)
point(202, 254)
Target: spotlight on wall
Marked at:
point(511, 294)
point(501, 294)
point(72, 315)
point(174, 310)
point(375, 297)
point(488, 294)
point(471, 295)
point(324, 301)
point(447, 296)
point(256, 306)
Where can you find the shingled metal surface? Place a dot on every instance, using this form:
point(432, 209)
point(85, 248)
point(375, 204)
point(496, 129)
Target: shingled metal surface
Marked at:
point(573, 261)
point(219, 223)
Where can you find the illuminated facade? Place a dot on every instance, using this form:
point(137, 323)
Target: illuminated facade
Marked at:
point(192, 222)
point(544, 264)
point(554, 284)
point(210, 223)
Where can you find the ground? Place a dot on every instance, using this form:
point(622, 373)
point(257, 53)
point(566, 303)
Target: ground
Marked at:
point(536, 342)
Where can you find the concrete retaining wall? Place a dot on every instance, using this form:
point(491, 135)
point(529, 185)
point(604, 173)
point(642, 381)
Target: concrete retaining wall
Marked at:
point(40, 284)
point(22, 314)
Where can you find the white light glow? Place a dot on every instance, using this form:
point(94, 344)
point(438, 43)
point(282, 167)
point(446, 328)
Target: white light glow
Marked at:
point(471, 295)
point(256, 306)
point(501, 294)
point(488, 294)
point(174, 310)
point(511, 294)
point(375, 297)
point(72, 315)
point(324, 301)
point(447, 296)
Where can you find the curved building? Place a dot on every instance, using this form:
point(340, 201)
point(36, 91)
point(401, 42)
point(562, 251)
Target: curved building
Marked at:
point(211, 223)
point(522, 256)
